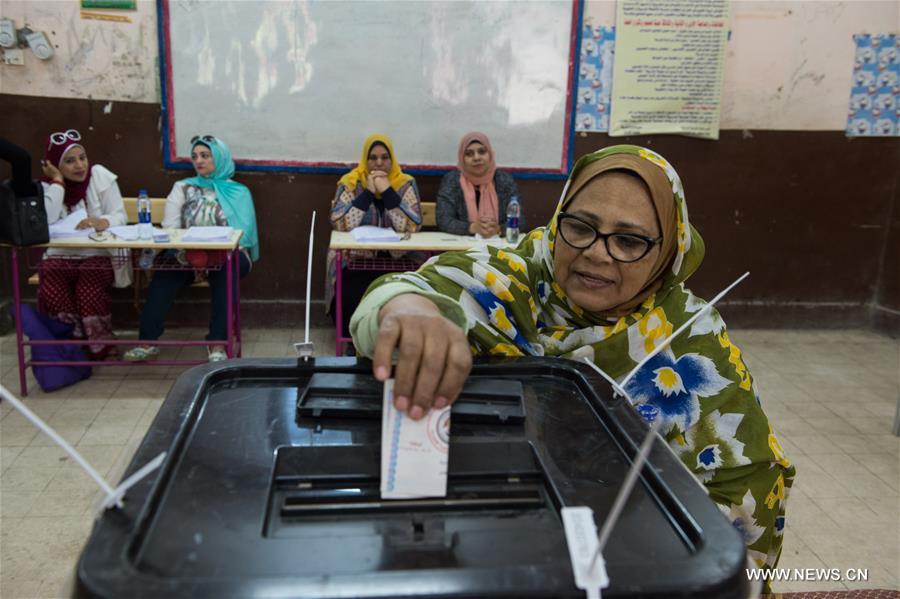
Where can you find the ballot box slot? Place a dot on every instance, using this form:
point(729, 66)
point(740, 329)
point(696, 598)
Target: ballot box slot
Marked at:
point(462, 494)
point(341, 483)
point(483, 400)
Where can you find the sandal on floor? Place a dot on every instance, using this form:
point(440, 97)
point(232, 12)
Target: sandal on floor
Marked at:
point(142, 353)
point(216, 354)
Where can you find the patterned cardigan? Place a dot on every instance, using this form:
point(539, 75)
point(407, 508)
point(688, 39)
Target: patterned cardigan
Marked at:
point(452, 216)
point(405, 218)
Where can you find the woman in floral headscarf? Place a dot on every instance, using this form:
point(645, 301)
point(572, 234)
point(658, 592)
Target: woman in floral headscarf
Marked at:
point(375, 193)
point(75, 284)
point(605, 280)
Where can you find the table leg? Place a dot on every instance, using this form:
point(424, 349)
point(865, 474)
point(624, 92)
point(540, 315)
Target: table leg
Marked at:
point(229, 302)
point(17, 308)
point(237, 303)
point(338, 305)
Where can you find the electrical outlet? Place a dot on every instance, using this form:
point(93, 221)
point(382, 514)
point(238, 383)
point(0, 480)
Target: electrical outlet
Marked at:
point(7, 33)
point(14, 57)
point(40, 45)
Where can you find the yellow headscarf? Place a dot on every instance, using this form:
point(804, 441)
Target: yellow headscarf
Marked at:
point(397, 178)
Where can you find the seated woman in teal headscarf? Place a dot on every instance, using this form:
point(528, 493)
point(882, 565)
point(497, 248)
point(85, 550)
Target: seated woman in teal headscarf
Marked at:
point(211, 198)
point(604, 281)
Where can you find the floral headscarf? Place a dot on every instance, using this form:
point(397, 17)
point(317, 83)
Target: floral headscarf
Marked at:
point(699, 385)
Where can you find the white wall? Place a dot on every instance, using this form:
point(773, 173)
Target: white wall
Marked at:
point(102, 59)
point(788, 64)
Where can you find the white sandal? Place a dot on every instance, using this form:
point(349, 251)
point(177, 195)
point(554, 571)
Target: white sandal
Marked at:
point(216, 353)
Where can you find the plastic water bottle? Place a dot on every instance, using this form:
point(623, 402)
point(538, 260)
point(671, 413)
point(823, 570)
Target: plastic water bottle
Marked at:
point(145, 260)
point(512, 220)
point(145, 226)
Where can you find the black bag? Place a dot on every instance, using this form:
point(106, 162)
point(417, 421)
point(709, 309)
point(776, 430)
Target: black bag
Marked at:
point(23, 220)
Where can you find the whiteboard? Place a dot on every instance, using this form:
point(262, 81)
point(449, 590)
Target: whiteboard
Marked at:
point(299, 84)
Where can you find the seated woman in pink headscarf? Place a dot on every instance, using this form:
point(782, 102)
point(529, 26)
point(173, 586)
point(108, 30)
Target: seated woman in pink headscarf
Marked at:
point(473, 199)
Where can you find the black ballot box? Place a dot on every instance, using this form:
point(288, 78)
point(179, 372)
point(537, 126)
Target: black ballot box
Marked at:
point(270, 488)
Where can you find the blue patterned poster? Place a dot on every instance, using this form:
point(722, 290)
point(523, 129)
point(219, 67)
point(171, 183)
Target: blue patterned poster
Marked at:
point(875, 94)
point(595, 78)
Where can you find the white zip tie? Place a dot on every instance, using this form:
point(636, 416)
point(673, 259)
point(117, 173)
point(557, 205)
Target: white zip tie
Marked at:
point(644, 451)
point(312, 230)
point(132, 480)
point(113, 496)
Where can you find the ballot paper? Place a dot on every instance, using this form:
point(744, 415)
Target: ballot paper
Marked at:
point(208, 234)
point(66, 227)
point(369, 233)
point(414, 453)
point(126, 232)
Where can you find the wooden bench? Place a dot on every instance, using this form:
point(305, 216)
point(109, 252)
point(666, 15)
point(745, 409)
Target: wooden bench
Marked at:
point(429, 214)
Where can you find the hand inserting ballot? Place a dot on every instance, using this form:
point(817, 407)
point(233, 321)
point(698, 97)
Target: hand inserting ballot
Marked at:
point(433, 359)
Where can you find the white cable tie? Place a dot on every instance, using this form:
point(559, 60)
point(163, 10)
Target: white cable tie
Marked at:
point(48, 430)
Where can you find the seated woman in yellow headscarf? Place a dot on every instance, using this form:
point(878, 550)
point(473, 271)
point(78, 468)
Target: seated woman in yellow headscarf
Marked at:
point(604, 281)
point(376, 193)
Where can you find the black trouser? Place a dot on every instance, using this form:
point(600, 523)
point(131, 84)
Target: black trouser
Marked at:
point(163, 289)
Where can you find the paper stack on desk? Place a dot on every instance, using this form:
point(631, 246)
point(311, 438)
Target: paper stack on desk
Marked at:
point(126, 232)
point(66, 227)
point(414, 453)
point(369, 233)
point(208, 234)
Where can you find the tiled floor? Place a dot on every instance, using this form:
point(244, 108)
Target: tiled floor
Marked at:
point(831, 396)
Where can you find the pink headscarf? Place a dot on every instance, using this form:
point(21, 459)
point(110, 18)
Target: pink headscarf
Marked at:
point(75, 191)
point(488, 206)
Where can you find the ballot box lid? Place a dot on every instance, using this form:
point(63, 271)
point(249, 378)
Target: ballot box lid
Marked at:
point(270, 490)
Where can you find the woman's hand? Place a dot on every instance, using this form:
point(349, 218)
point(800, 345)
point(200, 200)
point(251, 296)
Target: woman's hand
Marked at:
point(489, 227)
point(370, 182)
point(381, 181)
point(98, 224)
point(485, 227)
point(433, 359)
point(51, 172)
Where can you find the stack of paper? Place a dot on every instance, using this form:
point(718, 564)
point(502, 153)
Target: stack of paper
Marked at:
point(414, 453)
point(208, 234)
point(126, 232)
point(374, 234)
point(66, 226)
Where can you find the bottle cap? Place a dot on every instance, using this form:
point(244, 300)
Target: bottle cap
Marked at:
point(142, 192)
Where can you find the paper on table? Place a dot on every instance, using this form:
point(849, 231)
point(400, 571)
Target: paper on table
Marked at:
point(370, 233)
point(208, 234)
point(66, 227)
point(126, 232)
point(478, 237)
point(414, 453)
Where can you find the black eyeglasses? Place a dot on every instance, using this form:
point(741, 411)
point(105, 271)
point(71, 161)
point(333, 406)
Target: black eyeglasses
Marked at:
point(622, 247)
point(206, 138)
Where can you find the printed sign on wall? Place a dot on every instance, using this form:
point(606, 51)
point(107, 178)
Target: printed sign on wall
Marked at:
point(595, 78)
point(875, 95)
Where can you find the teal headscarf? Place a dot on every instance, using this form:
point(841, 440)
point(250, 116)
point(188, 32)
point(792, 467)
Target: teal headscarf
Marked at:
point(233, 197)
